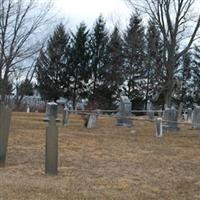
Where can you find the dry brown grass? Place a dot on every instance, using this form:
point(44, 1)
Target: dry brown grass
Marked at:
point(108, 162)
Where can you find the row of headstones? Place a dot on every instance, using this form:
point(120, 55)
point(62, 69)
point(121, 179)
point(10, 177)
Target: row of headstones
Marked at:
point(52, 111)
point(169, 122)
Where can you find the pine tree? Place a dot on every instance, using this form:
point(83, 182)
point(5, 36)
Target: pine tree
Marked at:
point(53, 66)
point(109, 91)
point(134, 58)
point(196, 76)
point(99, 55)
point(80, 73)
point(154, 67)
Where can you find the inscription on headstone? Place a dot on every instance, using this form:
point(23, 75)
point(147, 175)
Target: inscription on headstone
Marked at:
point(51, 156)
point(124, 112)
point(5, 119)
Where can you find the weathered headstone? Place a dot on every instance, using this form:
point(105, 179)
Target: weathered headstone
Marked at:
point(65, 116)
point(51, 156)
point(196, 118)
point(150, 112)
point(124, 112)
point(170, 120)
point(92, 120)
point(5, 119)
point(159, 128)
point(189, 114)
point(180, 110)
point(28, 109)
point(51, 111)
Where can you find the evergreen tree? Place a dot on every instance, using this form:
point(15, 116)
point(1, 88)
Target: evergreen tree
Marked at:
point(154, 67)
point(99, 54)
point(80, 64)
point(25, 88)
point(196, 76)
point(185, 77)
point(109, 91)
point(53, 66)
point(134, 44)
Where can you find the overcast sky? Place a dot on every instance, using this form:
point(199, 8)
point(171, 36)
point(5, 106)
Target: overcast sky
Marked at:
point(76, 11)
point(114, 11)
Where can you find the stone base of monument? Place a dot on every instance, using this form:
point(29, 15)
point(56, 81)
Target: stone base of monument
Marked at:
point(46, 119)
point(124, 122)
point(170, 128)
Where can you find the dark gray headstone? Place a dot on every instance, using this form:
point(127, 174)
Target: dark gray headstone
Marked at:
point(159, 128)
point(189, 114)
point(196, 118)
point(124, 112)
point(5, 119)
point(150, 112)
point(51, 156)
point(51, 111)
point(180, 110)
point(170, 120)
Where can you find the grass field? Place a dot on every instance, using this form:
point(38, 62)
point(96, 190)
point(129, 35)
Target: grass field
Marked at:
point(107, 162)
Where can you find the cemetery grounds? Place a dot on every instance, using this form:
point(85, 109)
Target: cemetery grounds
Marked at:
point(107, 162)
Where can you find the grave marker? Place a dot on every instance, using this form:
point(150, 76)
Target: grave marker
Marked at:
point(92, 120)
point(124, 112)
point(51, 156)
point(5, 119)
point(51, 111)
point(150, 112)
point(196, 118)
point(170, 123)
point(159, 128)
point(65, 116)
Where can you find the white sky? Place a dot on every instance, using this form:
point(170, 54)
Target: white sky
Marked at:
point(76, 11)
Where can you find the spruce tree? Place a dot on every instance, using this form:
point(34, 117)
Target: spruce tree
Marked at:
point(154, 67)
point(80, 73)
point(53, 66)
point(109, 91)
point(134, 58)
point(196, 76)
point(99, 54)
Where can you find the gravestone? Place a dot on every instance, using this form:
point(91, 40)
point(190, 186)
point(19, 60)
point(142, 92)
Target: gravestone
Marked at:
point(196, 118)
point(51, 155)
point(124, 112)
point(28, 109)
point(180, 110)
point(51, 111)
point(189, 114)
point(170, 120)
point(150, 112)
point(92, 120)
point(65, 116)
point(5, 119)
point(159, 128)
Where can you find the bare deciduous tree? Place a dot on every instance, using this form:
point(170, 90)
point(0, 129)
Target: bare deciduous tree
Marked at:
point(179, 26)
point(20, 21)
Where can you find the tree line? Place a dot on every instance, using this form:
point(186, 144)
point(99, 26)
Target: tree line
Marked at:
point(98, 65)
